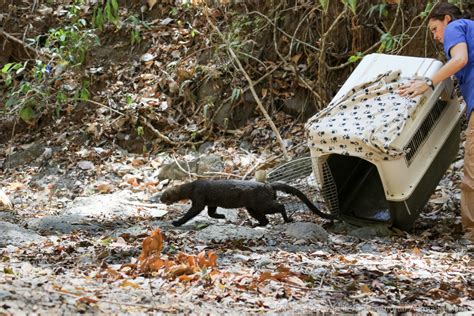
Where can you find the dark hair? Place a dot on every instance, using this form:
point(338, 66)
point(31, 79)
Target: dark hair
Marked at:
point(442, 9)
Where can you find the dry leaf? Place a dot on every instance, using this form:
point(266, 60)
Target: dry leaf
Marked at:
point(416, 252)
point(87, 300)
point(152, 244)
point(207, 262)
point(5, 203)
point(127, 283)
point(151, 3)
point(104, 187)
point(296, 58)
point(364, 288)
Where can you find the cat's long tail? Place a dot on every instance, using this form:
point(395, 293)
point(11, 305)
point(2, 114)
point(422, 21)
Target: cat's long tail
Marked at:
point(283, 187)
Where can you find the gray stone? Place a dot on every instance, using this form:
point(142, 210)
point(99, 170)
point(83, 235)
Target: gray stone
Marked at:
point(205, 147)
point(209, 164)
point(85, 165)
point(174, 171)
point(23, 157)
point(119, 204)
point(17, 236)
point(220, 233)
point(369, 232)
point(63, 224)
point(306, 231)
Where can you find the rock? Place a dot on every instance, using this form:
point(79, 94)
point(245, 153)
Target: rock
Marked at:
point(63, 224)
point(201, 165)
point(232, 116)
point(85, 165)
point(205, 147)
point(211, 163)
point(118, 204)
point(306, 231)
point(209, 91)
point(369, 232)
point(174, 171)
point(220, 233)
point(21, 158)
point(17, 236)
point(299, 105)
point(458, 164)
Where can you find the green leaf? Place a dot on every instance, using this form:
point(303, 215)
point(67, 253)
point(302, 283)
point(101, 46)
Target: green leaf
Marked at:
point(324, 4)
point(106, 241)
point(27, 114)
point(8, 270)
point(7, 67)
point(11, 101)
point(356, 57)
point(352, 4)
point(115, 6)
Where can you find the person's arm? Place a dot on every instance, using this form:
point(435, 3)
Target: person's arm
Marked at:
point(459, 59)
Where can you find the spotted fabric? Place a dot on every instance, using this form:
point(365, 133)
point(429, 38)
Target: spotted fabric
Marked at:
point(365, 121)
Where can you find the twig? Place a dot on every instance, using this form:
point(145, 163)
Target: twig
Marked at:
point(157, 132)
point(103, 105)
point(18, 41)
point(161, 307)
point(223, 174)
point(187, 172)
point(252, 88)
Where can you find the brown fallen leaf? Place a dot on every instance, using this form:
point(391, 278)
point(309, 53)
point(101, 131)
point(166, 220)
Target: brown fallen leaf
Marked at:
point(364, 288)
point(416, 252)
point(104, 187)
point(126, 283)
point(152, 245)
point(5, 203)
point(87, 300)
point(209, 261)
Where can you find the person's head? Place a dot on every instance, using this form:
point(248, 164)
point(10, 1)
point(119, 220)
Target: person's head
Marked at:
point(440, 16)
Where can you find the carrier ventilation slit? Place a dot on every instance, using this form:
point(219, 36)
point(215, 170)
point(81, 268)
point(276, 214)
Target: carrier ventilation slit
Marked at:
point(419, 138)
point(329, 188)
point(297, 173)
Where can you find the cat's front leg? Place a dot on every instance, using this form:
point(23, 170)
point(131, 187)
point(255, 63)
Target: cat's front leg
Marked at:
point(192, 212)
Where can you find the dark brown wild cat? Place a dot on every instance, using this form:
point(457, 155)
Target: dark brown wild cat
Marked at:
point(258, 198)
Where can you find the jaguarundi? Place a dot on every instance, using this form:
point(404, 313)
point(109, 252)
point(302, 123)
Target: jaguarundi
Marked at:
point(259, 198)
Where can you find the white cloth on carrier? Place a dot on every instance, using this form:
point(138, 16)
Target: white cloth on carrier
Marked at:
point(365, 121)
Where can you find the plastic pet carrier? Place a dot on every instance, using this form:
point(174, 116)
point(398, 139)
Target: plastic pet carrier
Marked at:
point(377, 156)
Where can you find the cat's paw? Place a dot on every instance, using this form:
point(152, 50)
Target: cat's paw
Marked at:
point(176, 223)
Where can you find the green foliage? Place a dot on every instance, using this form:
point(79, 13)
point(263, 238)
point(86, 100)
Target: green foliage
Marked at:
point(427, 10)
point(324, 4)
point(107, 14)
point(351, 4)
point(73, 41)
point(381, 9)
point(136, 25)
point(355, 58)
point(388, 42)
point(29, 88)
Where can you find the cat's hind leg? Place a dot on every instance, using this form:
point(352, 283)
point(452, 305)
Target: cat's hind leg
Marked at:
point(275, 208)
point(259, 216)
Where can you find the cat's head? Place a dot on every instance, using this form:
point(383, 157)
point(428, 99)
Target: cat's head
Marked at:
point(170, 195)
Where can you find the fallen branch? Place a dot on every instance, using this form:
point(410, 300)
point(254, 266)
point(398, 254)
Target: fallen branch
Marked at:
point(252, 87)
point(157, 132)
point(20, 42)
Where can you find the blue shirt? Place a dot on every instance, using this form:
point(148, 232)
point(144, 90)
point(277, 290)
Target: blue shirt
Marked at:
point(462, 31)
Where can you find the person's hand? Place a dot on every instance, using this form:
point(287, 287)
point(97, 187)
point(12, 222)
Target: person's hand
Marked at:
point(413, 89)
